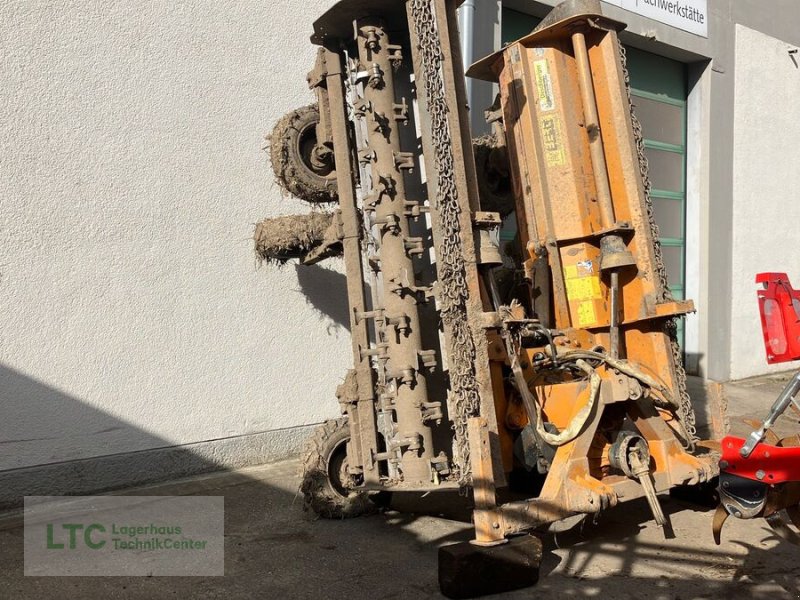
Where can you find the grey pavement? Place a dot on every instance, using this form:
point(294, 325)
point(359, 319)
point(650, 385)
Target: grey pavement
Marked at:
point(275, 550)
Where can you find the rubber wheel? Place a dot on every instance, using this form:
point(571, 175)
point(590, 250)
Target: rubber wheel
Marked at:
point(291, 148)
point(326, 485)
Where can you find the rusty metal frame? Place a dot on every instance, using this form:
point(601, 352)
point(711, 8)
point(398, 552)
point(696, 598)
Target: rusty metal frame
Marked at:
point(363, 30)
point(467, 188)
point(580, 201)
point(360, 405)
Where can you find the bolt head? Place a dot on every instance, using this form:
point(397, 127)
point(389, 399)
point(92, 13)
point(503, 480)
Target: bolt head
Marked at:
point(760, 474)
point(723, 464)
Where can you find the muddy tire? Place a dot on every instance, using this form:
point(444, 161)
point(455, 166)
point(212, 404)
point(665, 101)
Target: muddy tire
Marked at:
point(297, 169)
point(325, 478)
point(279, 239)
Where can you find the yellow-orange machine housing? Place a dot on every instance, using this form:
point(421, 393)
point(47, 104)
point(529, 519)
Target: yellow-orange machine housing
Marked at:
point(588, 237)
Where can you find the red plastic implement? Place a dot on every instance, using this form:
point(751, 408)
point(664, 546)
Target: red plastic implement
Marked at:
point(773, 463)
point(779, 305)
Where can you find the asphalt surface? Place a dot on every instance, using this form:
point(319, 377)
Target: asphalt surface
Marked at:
point(275, 550)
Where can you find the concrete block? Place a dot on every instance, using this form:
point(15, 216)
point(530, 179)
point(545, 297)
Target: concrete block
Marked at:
point(469, 571)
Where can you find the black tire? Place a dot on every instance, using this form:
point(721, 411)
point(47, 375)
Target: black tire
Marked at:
point(291, 150)
point(325, 487)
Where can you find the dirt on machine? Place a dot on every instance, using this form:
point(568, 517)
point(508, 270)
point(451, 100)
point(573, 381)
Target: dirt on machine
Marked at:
point(513, 331)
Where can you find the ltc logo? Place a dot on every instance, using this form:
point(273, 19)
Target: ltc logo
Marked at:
point(74, 536)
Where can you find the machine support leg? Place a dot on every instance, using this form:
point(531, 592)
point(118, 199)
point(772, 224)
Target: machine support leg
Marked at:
point(488, 520)
point(489, 564)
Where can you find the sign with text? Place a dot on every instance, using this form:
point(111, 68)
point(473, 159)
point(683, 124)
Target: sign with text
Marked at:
point(689, 15)
point(124, 535)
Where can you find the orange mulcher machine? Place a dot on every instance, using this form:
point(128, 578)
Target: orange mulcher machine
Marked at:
point(543, 376)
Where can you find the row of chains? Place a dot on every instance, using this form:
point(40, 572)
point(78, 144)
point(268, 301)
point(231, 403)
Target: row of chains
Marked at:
point(452, 275)
point(685, 411)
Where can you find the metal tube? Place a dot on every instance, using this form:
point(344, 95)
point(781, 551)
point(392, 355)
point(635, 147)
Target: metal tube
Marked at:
point(528, 400)
point(353, 265)
point(613, 332)
point(401, 321)
point(494, 291)
point(466, 26)
point(597, 152)
point(778, 408)
point(613, 252)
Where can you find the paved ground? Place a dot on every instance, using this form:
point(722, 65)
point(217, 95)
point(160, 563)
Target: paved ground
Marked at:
point(274, 550)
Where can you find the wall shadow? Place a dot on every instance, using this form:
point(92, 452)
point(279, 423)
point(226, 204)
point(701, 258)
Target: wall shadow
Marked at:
point(326, 291)
point(52, 443)
point(275, 550)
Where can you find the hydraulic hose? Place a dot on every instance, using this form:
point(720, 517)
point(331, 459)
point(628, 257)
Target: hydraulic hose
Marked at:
point(571, 431)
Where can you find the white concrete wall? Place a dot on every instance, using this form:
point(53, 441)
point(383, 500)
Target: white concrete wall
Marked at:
point(132, 314)
point(766, 171)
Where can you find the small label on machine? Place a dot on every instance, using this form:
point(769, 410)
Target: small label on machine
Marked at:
point(544, 85)
point(552, 141)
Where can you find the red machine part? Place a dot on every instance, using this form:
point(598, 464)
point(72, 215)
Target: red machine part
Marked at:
point(767, 464)
point(779, 306)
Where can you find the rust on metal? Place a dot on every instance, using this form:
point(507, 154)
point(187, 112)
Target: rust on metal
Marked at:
point(478, 364)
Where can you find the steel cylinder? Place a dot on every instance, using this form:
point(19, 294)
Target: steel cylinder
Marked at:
point(400, 322)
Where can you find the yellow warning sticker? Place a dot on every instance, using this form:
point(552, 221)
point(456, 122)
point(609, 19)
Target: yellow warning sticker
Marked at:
point(544, 85)
point(586, 314)
point(582, 283)
point(583, 288)
point(552, 140)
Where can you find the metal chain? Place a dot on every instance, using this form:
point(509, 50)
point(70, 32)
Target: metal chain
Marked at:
point(685, 411)
point(452, 283)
